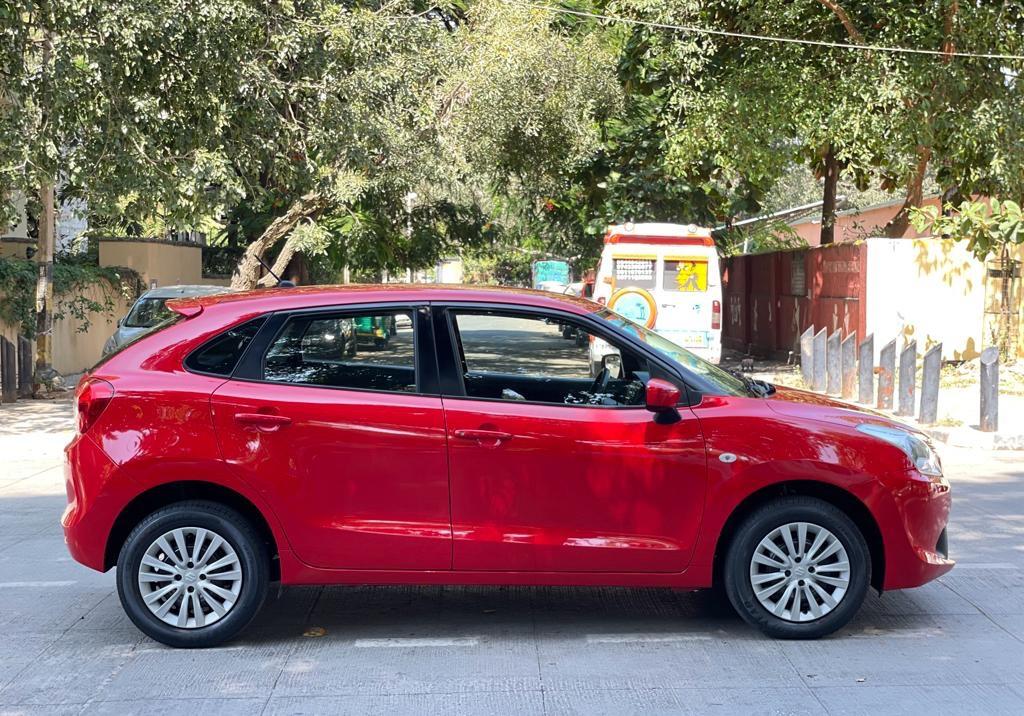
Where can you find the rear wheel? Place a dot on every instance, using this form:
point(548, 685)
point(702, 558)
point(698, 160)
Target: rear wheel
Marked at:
point(797, 568)
point(193, 574)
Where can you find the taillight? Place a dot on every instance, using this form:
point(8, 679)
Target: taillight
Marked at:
point(93, 396)
point(716, 315)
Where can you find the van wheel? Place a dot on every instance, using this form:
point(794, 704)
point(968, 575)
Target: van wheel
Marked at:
point(798, 568)
point(193, 574)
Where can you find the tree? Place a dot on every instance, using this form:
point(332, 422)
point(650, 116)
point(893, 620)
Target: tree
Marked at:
point(755, 106)
point(501, 104)
point(111, 100)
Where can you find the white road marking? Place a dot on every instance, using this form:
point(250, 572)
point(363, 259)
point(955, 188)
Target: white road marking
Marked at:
point(643, 638)
point(414, 642)
point(985, 565)
point(63, 583)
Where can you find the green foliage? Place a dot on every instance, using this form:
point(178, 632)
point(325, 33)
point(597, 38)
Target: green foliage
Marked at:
point(18, 301)
point(988, 227)
point(70, 278)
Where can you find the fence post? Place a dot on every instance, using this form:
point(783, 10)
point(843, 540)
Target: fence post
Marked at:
point(907, 379)
point(989, 390)
point(8, 372)
point(818, 362)
point(833, 365)
point(866, 371)
point(931, 365)
point(886, 371)
point(849, 365)
point(26, 366)
point(807, 356)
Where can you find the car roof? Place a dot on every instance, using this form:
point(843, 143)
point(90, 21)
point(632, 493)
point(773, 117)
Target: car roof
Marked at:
point(185, 291)
point(279, 299)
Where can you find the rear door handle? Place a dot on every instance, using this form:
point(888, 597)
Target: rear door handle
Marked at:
point(263, 421)
point(488, 438)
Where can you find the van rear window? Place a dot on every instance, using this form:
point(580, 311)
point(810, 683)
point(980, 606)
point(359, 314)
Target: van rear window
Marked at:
point(685, 275)
point(638, 273)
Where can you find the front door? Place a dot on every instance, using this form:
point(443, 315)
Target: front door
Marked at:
point(339, 436)
point(553, 470)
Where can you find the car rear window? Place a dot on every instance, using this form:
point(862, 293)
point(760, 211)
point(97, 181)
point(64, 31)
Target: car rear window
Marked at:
point(147, 312)
point(169, 321)
point(220, 355)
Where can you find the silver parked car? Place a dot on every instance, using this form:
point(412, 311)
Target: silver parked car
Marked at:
point(150, 309)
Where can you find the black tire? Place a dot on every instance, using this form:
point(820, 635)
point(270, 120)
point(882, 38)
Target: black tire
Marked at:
point(785, 510)
point(234, 529)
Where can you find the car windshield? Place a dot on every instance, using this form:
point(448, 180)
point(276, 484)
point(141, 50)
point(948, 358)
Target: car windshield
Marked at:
point(722, 380)
point(147, 312)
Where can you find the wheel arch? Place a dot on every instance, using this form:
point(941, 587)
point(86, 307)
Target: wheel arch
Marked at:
point(171, 492)
point(846, 501)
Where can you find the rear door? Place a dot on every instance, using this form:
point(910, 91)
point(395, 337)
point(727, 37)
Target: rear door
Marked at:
point(553, 470)
point(346, 441)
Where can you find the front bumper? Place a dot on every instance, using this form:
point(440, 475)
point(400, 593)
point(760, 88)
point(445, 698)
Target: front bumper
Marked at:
point(917, 541)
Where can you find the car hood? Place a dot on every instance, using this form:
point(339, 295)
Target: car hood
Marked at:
point(792, 402)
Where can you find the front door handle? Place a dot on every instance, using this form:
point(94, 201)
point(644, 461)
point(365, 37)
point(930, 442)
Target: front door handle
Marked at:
point(487, 438)
point(263, 421)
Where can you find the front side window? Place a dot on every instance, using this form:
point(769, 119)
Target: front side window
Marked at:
point(537, 359)
point(723, 382)
point(359, 351)
point(147, 312)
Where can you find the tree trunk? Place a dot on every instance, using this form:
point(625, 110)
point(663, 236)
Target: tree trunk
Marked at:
point(900, 224)
point(828, 199)
point(247, 274)
point(280, 264)
point(44, 287)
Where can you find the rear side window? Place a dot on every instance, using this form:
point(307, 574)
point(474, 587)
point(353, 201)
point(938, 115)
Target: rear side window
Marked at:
point(220, 355)
point(358, 351)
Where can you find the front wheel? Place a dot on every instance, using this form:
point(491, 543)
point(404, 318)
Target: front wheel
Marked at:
point(193, 574)
point(797, 568)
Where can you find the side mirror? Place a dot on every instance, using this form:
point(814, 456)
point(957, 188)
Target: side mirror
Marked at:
point(613, 364)
point(662, 398)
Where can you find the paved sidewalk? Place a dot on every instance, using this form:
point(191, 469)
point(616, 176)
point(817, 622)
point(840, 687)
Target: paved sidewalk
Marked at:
point(955, 646)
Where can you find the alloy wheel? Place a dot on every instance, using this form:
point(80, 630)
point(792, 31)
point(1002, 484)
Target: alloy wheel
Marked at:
point(190, 577)
point(800, 572)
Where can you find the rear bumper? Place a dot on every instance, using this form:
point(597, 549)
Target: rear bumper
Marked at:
point(917, 544)
point(90, 512)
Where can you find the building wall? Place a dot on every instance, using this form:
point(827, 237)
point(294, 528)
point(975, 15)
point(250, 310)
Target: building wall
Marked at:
point(926, 289)
point(74, 350)
point(169, 263)
point(856, 226)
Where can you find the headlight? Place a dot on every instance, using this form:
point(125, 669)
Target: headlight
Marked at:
point(921, 454)
point(109, 346)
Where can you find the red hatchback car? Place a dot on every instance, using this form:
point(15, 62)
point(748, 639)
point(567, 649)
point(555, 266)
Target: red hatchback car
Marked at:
point(243, 442)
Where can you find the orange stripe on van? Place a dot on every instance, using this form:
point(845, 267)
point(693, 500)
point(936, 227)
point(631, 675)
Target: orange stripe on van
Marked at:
point(660, 240)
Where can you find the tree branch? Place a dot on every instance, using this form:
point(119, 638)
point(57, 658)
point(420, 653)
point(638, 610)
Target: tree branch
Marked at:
point(844, 18)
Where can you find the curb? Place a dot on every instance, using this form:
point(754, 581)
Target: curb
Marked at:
point(971, 438)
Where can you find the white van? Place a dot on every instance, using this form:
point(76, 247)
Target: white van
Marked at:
point(665, 277)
